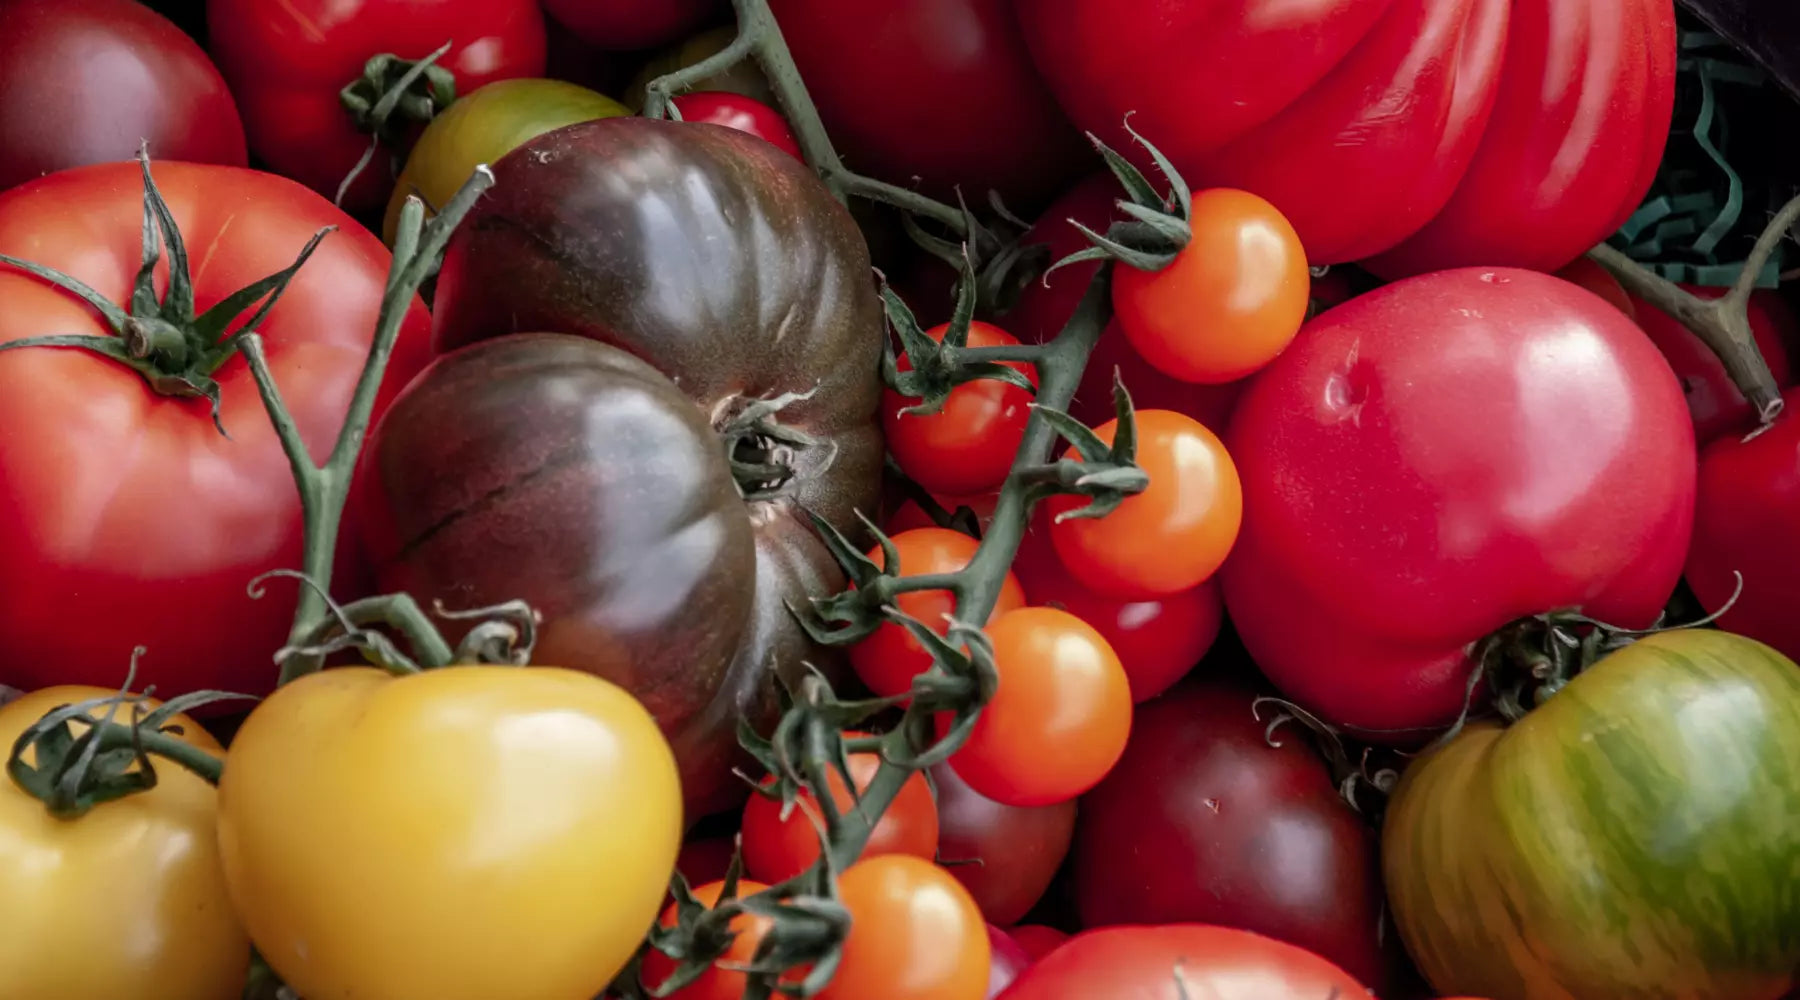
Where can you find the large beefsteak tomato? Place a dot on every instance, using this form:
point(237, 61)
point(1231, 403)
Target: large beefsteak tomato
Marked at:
point(1180, 962)
point(728, 269)
point(1634, 837)
point(1443, 132)
point(1437, 458)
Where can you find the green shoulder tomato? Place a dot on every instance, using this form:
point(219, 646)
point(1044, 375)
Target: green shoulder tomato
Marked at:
point(1637, 836)
point(461, 834)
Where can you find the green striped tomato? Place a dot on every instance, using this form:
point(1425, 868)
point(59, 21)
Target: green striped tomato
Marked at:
point(1636, 836)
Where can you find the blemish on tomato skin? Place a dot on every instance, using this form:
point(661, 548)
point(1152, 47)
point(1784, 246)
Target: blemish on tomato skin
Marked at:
point(1346, 389)
point(1212, 804)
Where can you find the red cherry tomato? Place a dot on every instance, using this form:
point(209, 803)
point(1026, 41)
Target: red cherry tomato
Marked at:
point(1006, 960)
point(746, 114)
point(716, 983)
point(631, 24)
point(969, 444)
point(1715, 403)
point(1012, 852)
point(914, 934)
point(1037, 940)
point(777, 849)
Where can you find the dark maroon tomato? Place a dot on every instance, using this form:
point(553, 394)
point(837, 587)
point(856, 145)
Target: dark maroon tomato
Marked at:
point(746, 114)
point(631, 24)
point(1019, 848)
point(1006, 959)
point(1203, 821)
point(723, 263)
point(87, 81)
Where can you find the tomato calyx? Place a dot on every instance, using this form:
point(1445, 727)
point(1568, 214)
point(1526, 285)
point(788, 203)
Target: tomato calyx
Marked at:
point(1107, 473)
point(163, 340)
point(1353, 776)
point(1158, 229)
point(936, 367)
point(391, 95)
point(1000, 263)
point(760, 448)
point(854, 614)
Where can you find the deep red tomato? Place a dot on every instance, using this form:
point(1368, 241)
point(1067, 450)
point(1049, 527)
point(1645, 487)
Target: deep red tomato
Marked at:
point(715, 983)
point(87, 81)
point(1007, 958)
point(938, 91)
point(777, 849)
point(1203, 821)
point(631, 24)
point(968, 445)
point(888, 660)
point(1447, 124)
point(1171, 537)
point(1437, 458)
point(1715, 403)
point(127, 518)
point(914, 934)
point(1232, 299)
point(1181, 962)
point(1037, 940)
point(1060, 686)
point(1012, 852)
point(288, 59)
point(746, 114)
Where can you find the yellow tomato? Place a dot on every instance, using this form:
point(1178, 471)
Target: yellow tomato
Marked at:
point(126, 902)
point(481, 127)
point(469, 833)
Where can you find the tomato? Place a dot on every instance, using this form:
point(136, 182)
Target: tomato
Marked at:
point(684, 600)
point(717, 107)
point(969, 444)
point(888, 660)
point(127, 518)
point(1717, 406)
point(706, 859)
point(908, 515)
point(1410, 486)
point(716, 983)
point(745, 78)
point(630, 24)
point(914, 934)
point(166, 931)
point(1004, 855)
point(1181, 962)
point(1006, 960)
point(1060, 686)
point(1046, 304)
point(1438, 131)
point(1203, 821)
point(483, 126)
point(1038, 940)
point(1591, 276)
point(88, 81)
point(934, 92)
point(1232, 299)
point(1171, 537)
point(777, 849)
point(287, 61)
point(1629, 837)
point(523, 855)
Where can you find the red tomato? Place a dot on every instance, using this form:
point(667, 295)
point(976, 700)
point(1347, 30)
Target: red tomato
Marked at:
point(1047, 304)
point(1006, 960)
point(631, 24)
point(126, 518)
point(914, 934)
point(1171, 537)
point(288, 59)
point(1203, 821)
point(1231, 300)
point(888, 660)
point(1004, 855)
point(1591, 276)
point(968, 445)
point(1181, 962)
point(938, 90)
point(777, 849)
point(1715, 403)
point(1038, 940)
point(746, 114)
point(715, 983)
point(1436, 459)
point(1446, 124)
point(87, 81)
point(1060, 686)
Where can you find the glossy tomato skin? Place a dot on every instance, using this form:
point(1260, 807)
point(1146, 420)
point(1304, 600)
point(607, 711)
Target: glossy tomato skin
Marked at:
point(1442, 123)
point(715, 983)
point(1016, 850)
point(949, 79)
point(87, 81)
point(152, 857)
point(127, 518)
point(1006, 959)
point(288, 59)
point(725, 264)
point(777, 849)
point(914, 934)
point(1143, 963)
point(1717, 405)
point(630, 24)
point(1625, 839)
point(495, 864)
point(746, 114)
point(1591, 276)
point(1400, 501)
point(968, 445)
point(1204, 821)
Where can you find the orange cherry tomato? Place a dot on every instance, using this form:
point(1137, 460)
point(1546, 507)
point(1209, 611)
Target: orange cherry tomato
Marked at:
point(776, 850)
point(969, 444)
point(715, 983)
point(915, 934)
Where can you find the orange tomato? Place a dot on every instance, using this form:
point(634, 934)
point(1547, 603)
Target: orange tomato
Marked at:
point(915, 934)
point(715, 983)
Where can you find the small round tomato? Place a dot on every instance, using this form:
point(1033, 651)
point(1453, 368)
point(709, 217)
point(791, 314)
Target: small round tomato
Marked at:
point(914, 934)
point(1058, 720)
point(715, 983)
point(1037, 940)
point(777, 849)
point(746, 114)
point(1004, 855)
point(1231, 301)
point(126, 901)
point(1171, 537)
point(969, 445)
point(888, 660)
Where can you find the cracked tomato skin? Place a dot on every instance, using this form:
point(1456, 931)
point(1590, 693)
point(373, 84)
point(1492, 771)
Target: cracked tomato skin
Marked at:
point(1441, 132)
point(1437, 458)
point(126, 518)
